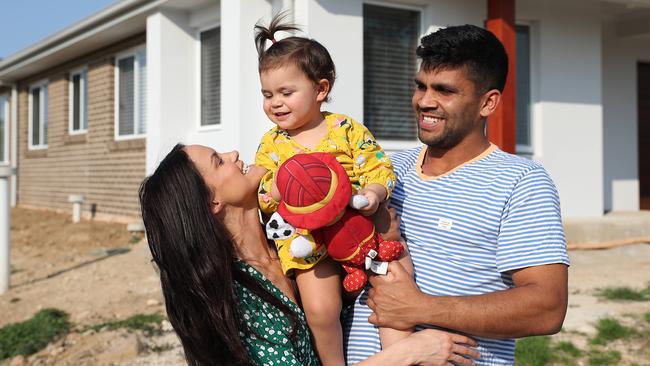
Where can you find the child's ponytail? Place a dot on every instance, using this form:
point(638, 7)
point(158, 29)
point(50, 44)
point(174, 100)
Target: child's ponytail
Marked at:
point(262, 33)
point(310, 56)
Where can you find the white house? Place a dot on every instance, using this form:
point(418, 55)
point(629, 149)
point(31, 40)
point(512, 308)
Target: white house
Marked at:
point(582, 81)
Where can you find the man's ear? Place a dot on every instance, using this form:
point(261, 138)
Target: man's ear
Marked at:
point(490, 101)
point(323, 88)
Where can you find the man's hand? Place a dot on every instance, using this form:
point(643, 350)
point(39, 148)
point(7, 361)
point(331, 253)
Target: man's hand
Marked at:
point(395, 299)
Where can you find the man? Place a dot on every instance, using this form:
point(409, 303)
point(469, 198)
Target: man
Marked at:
point(483, 227)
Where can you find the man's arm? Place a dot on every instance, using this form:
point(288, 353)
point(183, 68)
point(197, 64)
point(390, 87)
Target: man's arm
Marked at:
point(536, 305)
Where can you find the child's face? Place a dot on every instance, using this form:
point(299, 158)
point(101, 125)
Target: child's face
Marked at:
point(291, 100)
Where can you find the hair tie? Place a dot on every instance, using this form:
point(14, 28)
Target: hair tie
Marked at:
point(273, 40)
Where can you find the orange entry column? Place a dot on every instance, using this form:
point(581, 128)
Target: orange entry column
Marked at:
point(501, 125)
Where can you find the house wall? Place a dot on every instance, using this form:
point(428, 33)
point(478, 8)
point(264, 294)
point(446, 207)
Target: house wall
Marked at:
point(567, 98)
point(173, 52)
point(106, 172)
point(331, 21)
point(620, 57)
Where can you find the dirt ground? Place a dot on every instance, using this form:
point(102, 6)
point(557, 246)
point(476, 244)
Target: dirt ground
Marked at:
point(99, 272)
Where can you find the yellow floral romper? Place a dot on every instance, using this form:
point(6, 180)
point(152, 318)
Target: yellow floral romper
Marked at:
point(352, 145)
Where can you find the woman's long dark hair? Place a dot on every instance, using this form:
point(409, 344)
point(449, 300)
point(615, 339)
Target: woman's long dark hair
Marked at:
point(195, 254)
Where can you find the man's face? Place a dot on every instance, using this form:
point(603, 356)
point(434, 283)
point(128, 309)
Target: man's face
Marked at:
point(447, 107)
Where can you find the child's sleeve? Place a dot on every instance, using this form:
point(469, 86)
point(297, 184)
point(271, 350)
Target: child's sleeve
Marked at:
point(267, 156)
point(371, 164)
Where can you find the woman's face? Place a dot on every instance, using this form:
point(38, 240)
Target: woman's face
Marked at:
point(230, 180)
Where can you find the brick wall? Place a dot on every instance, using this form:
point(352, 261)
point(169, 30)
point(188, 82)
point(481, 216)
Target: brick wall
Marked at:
point(107, 172)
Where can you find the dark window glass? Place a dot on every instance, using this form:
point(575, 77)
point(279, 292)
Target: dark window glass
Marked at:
point(390, 36)
point(523, 85)
point(211, 77)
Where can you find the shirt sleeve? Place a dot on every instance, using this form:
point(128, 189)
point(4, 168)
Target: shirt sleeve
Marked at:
point(371, 163)
point(531, 232)
point(267, 156)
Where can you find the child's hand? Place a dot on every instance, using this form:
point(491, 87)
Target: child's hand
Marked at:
point(373, 202)
point(375, 194)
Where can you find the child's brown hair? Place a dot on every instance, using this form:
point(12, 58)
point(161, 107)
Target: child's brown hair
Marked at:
point(307, 54)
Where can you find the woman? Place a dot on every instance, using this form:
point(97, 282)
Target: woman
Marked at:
point(225, 293)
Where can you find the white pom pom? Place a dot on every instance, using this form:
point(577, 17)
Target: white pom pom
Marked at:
point(301, 247)
point(358, 201)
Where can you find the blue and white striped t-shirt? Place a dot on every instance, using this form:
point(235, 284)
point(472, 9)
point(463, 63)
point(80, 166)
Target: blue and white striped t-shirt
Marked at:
point(465, 230)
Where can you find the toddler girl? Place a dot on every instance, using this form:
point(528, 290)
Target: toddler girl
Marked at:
point(297, 75)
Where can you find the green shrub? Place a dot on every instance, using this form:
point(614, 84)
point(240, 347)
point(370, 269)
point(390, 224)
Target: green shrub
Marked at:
point(597, 358)
point(647, 317)
point(610, 329)
point(150, 324)
point(34, 334)
point(533, 351)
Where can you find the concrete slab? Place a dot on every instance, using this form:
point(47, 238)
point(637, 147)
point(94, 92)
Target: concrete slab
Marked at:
point(613, 228)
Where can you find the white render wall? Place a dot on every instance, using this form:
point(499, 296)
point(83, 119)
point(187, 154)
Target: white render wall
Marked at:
point(620, 57)
point(567, 79)
point(174, 86)
point(170, 91)
point(338, 25)
point(567, 101)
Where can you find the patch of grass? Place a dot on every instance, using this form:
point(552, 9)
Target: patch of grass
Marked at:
point(610, 329)
point(646, 316)
point(540, 351)
point(533, 351)
point(161, 348)
point(32, 335)
point(624, 293)
point(598, 358)
point(14, 300)
point(150, 324)
point(135, 238)
point(565, 353)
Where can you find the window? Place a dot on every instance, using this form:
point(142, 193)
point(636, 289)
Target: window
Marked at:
point(38, 116)
point(210, 76)
point(78, 102)
point(131, 95)
point(523, 125)
point(4, 122)
point(390, 36)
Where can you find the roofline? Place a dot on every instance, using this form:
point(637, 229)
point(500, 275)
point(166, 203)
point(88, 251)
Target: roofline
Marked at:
point(82, 29)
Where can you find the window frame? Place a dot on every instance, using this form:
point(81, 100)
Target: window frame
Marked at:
point(533, 78)
point(43, 115)
point(83, 103)
point(7, 99)
point(198, 63)
point(397, 145)
point(132, 52)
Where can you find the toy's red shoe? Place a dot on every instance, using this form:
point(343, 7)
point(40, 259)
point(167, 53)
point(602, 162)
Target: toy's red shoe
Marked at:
point(389, 250)
point(355, 280)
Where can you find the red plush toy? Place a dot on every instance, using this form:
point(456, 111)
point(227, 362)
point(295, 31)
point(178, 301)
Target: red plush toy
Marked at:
point(315, 192)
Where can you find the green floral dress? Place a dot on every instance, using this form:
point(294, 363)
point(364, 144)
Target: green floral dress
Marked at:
point(273, 346)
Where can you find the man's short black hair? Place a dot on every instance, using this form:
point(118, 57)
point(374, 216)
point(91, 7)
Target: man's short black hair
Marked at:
point(468, 46)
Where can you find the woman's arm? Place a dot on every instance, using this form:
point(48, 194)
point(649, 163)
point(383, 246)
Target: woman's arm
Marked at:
point(427, 347)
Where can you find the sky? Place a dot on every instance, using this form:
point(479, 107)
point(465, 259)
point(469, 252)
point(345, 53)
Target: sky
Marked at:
point(26, 22)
